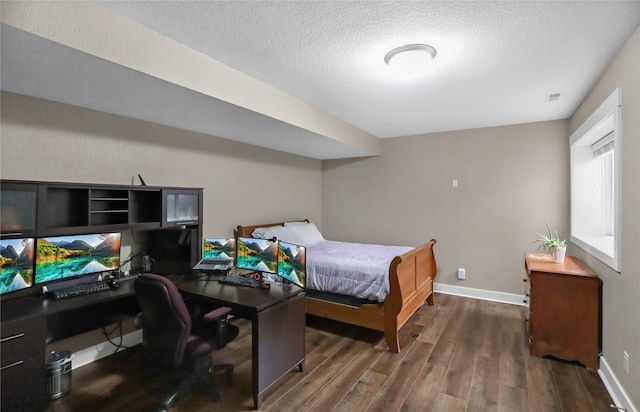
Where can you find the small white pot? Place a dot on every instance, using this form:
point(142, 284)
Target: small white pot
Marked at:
point(558, 254)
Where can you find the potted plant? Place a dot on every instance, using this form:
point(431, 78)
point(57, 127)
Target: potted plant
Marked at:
point(552, 243)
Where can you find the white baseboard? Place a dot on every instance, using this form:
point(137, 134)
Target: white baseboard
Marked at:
point(104, 349)
point(616, 391)
point(483, 294)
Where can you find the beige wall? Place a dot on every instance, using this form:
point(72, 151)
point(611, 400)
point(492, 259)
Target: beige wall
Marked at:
point(43, 140)
point(511, 180)
point(621, 302)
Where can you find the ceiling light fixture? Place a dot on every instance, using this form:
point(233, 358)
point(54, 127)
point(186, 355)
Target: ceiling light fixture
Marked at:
point(410, 58)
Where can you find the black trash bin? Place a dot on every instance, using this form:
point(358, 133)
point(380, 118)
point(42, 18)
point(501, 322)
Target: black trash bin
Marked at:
point(58, 374)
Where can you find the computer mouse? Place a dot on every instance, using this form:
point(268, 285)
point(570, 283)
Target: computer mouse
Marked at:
point(113, 284)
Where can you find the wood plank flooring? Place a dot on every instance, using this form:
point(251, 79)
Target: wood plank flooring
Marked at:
point(460, 355)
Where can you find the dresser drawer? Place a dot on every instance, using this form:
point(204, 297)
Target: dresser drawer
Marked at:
point(564, 309)
point(22, 367)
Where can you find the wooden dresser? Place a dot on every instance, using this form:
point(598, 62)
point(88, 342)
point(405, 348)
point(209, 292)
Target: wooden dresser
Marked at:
point(564, 317)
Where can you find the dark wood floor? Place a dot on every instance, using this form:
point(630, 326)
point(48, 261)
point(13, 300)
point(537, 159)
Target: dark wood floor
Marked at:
point(459, 355)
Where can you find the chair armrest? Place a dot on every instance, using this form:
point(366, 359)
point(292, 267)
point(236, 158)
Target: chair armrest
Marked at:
point(222, 331)
point(217, 313)
point(138, 321)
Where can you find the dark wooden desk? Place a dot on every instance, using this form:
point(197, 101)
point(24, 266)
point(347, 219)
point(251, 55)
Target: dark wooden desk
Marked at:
point(277, 318)
point(29, 323)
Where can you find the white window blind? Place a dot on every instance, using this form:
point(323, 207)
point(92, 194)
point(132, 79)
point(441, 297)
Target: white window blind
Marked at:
point(595, 183)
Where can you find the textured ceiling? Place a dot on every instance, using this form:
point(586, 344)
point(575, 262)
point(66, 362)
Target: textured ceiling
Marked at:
point(497, 62)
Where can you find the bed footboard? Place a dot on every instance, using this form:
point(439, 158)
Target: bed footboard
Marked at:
point(411, 283)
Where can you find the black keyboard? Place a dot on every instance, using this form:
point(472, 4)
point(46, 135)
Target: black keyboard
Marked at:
point(79, 290)
point(240, 281)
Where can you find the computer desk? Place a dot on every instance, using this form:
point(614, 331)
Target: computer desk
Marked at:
point(277, 318)
point(29, 323)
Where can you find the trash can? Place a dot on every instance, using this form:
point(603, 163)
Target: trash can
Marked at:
point(58, 374)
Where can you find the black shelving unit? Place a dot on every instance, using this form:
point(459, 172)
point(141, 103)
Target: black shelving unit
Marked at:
point(52, 208)
point(37, 209)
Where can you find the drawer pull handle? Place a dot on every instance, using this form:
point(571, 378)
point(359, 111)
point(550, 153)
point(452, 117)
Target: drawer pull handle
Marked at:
point(11, 365)
point(8, 338)
point(11, 234)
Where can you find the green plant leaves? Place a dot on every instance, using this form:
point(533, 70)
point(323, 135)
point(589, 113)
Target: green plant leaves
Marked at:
point(550, 240)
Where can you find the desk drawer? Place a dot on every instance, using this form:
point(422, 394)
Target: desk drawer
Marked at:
point(22, 367)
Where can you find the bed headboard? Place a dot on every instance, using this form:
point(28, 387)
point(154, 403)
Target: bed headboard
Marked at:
point(246, 231)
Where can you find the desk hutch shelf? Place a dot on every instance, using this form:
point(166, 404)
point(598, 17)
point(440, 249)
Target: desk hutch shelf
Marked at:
point(35, 209)
point(51, 208)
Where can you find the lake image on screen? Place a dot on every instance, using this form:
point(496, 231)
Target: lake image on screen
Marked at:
point(214, 248)
point(292, 263)
point(16, 264)
point(257, 254)
point(67, 256)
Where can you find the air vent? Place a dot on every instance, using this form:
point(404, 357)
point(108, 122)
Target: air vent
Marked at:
point(553, 97)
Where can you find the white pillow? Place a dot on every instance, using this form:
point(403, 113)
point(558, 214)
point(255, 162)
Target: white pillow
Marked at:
point(268, 232)
point(296, 223)
point(279, 232)
point(258, 232)
point(305, 235)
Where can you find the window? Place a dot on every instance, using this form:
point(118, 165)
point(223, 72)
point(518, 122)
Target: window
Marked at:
point(595, 183)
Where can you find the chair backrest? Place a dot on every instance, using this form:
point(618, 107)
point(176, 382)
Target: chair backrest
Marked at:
point(165, 317)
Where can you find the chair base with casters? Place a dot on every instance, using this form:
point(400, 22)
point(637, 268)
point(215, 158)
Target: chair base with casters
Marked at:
point(200, 374)
point(181, 340)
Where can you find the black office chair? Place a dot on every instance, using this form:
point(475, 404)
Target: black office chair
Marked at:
point(171, 340)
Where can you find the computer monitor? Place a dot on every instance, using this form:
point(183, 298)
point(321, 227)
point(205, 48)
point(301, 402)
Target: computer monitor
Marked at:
point(257, 254)
point(292, 263)
point(16, 264)
point(218, 248)
point(64, 257)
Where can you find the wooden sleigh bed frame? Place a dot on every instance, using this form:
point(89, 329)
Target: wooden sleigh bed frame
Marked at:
point(411, 277)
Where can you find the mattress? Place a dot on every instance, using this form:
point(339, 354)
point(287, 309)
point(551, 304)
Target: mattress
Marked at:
point(354, 269)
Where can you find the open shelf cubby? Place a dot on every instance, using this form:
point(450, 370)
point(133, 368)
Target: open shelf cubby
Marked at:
point(109, 207)
point(67, 207)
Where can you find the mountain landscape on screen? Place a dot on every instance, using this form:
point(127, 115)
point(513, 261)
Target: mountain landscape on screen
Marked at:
point(257, 254)
point(67, 256)
point(218, 248)
point(16, 264)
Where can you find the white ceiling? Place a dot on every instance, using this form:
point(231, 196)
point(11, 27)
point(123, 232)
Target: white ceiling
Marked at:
point(497, 62)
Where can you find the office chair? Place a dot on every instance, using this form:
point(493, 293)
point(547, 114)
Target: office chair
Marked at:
point(171, 340)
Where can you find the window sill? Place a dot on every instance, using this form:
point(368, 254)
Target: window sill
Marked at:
point(600, 247)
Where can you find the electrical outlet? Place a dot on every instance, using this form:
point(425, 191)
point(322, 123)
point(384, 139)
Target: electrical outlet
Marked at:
point(462, 275)
point(626, 361)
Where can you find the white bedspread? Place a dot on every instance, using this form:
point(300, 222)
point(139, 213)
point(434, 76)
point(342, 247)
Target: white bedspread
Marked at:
point(353, 269)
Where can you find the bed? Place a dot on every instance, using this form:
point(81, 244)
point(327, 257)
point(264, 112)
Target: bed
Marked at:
point(410, 283)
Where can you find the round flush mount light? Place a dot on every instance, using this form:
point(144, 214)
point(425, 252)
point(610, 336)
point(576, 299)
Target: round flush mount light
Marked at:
point(410, 58)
